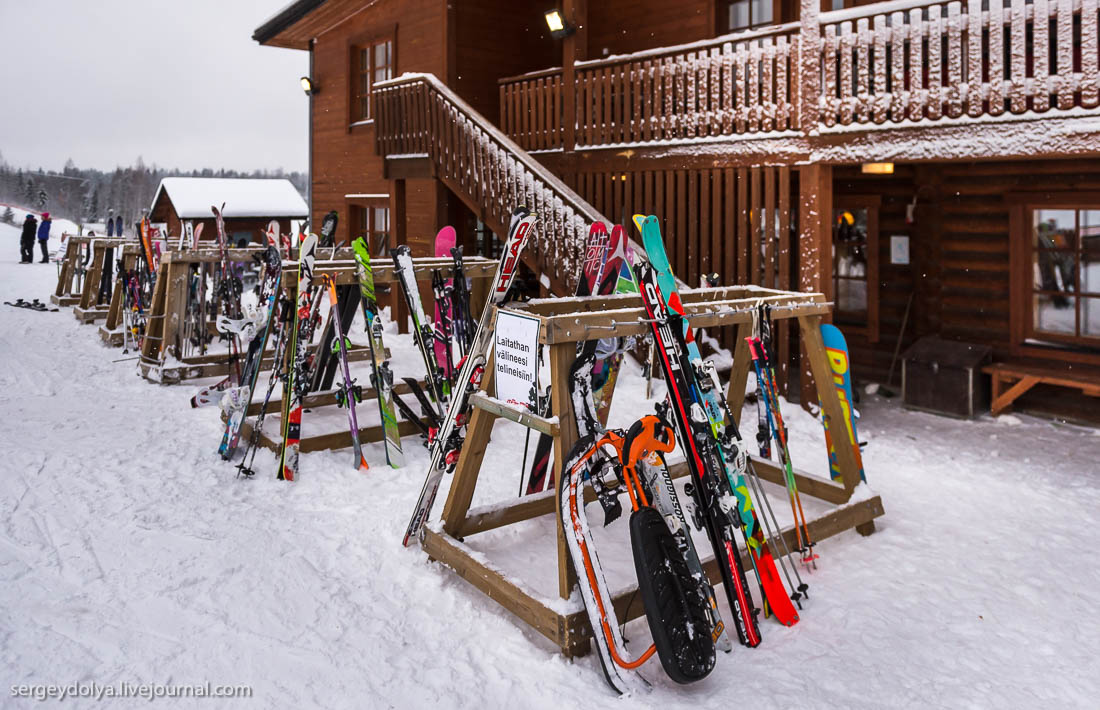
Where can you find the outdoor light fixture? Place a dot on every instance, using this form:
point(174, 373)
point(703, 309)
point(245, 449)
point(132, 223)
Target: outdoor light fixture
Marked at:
point(308, 86)
point(878, 168)
point(559, 28)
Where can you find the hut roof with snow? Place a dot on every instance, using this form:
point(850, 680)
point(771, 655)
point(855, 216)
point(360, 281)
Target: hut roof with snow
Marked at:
point(191, 198)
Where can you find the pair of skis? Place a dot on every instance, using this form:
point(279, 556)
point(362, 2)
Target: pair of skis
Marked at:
point(448, 440)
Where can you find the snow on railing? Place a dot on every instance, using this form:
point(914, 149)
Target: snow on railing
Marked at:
point(417, 113)
point(915, 60)
point(923, 60)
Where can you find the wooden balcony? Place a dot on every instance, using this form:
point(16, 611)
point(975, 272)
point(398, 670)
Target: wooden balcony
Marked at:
point(814, 84)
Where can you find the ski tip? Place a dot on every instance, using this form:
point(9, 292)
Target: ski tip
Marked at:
point(639, 220)
point(363, 466)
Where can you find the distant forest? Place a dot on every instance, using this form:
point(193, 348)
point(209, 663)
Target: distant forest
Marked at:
point(86, 194)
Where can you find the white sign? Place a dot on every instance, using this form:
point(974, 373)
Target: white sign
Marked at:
point(899, 249)
point(516, 361)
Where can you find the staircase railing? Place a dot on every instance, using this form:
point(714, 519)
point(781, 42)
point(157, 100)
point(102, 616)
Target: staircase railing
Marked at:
point(416, 114)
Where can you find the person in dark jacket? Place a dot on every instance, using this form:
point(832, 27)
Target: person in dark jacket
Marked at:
point(26, 240)
point(44, 237)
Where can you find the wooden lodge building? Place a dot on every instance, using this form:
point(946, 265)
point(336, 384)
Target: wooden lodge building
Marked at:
point(249, 205)
point(940, 154)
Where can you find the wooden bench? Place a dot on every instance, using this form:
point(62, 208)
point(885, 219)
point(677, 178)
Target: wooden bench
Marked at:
point(1012, 380)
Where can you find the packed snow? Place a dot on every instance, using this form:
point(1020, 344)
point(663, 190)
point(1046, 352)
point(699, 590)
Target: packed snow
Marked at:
point(130, 553)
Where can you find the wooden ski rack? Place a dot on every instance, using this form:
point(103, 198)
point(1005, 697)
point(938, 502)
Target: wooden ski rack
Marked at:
point(479, 269)
point(564, 323)
point(111, 332)
point(89, 309)
point(69, 287)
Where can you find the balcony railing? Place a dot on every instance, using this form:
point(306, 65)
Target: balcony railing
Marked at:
point(874, 65)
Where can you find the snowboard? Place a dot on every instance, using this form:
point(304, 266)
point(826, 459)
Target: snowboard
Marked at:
point(837, 349)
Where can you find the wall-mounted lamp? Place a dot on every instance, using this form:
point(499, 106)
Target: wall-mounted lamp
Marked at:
point(308, 86)
point(878, 168)
point(559, 28)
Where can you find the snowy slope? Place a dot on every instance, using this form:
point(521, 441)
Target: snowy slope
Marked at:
point(130, 553)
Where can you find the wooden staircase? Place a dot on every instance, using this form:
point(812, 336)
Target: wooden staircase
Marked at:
point(418, 118)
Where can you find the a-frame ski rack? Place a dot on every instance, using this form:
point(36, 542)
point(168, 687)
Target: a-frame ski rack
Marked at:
point(69, 284)
point(565, 322)
point(89, 309)
point(112, 331)
point(479, 270)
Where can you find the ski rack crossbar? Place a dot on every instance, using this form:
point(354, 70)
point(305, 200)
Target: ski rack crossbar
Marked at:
point(564, 322)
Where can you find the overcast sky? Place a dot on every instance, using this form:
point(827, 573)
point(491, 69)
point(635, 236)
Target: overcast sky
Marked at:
point(179, 82)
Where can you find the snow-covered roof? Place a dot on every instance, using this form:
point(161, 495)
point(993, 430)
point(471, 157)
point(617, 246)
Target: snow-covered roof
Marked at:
point(243, 197)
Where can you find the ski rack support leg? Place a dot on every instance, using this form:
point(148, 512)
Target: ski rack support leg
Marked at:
point(562, 356)
point(739, 372)
point(478, 431)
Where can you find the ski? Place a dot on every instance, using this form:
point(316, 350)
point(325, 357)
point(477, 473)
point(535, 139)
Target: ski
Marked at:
point(654, 474)
point(448, 441)
point(348, 394)
point(606, 370)
point(713, 504)
point(285, 317)
point(381, 375)
point(423, 332)
point(294, 388)
point(257, 343)
point(591, 279)
point(443, 314)
point(731, 450)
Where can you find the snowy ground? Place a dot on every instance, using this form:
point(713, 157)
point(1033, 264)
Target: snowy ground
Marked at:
point(130, 553)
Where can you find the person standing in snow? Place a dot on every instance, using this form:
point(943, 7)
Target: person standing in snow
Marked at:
point(44, 237)
point(26, 241)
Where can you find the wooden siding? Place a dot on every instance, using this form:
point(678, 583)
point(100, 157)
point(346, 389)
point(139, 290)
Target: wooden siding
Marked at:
point(344, 159)
point(621, 26)
point(496, 38)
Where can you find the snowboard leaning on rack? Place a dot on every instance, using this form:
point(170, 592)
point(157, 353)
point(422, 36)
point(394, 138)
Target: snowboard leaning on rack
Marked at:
point(448, 441)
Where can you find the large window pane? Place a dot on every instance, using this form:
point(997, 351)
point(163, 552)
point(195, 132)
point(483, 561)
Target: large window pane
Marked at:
point(1090, 316)
point(739, 14)
point(1055, 314)
point(761, 12)
point(851, 296)
point(1053, 270)
point(1055, 229)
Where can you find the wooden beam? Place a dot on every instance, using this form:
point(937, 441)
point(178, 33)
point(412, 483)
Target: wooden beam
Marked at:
point(494, 406)
point(1005, 399)
point(494, 584)
point(478, 432)
point(562, 356)
point(739, 372)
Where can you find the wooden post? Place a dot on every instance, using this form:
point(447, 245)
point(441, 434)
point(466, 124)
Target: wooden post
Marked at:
point(469, 460)
point(399, 225)
point(739, 372)
point(562, 356)
point(574, 48)
point(809, 57)
point(815, 210)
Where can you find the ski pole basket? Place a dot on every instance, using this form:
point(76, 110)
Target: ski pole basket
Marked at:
point(563, 324)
